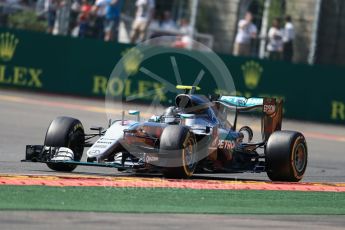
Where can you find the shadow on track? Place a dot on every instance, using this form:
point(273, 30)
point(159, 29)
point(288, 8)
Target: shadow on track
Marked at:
point(149, 175)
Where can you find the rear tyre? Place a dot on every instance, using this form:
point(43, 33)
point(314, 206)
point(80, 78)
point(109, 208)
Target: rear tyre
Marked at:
point(178, 149)
point(66, 132)
point(286, 156)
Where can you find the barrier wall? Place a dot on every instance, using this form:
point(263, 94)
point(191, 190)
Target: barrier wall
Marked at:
point(82, 67)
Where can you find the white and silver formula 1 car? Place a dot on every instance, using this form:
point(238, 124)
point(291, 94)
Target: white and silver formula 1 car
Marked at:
point(194, 136)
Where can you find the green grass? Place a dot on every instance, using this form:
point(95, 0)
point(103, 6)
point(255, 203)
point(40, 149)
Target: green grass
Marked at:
point(169, 200)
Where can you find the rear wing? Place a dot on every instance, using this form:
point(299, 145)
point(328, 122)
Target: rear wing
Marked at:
point(271, 107)
point(241, 103)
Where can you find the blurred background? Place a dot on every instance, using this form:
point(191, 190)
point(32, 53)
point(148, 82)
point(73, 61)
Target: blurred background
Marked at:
point(292, 50)
point(302, 31)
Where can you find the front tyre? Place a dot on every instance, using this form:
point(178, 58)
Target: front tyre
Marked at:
point(178, 149)
point(66, 132)
point(286, 156)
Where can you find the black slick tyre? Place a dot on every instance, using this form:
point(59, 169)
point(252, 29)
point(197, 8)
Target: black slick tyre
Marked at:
point(286, 156)
point(66, 132)
point(178, 149)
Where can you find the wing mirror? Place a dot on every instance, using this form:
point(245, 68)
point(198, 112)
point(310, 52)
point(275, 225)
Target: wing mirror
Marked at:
point(97, 128)
point(135, 113)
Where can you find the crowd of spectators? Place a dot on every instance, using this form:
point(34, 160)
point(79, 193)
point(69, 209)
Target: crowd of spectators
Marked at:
point(159, 24)
point(101, 19)
point(279, 41)
point(87, 18)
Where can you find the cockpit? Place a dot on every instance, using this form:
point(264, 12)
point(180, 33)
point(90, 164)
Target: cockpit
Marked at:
point(199, 106)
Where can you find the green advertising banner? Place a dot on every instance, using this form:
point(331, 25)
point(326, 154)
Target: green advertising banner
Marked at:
point(83, 67)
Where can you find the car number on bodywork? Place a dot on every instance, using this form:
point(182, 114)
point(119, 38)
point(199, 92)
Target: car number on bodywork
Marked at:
point(269, 105)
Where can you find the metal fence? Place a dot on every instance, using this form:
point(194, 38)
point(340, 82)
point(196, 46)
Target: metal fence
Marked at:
point(319, 28)
point(65, 21)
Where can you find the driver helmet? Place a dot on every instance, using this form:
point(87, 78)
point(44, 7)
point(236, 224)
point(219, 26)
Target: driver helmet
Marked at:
point(170, 115)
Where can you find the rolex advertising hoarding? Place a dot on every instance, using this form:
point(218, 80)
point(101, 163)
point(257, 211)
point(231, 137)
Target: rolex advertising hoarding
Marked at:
point(40, 62)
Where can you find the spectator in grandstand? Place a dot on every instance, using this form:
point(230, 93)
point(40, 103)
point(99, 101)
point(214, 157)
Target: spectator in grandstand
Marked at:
point(51, 7)
point(84, 18)
point(155, 22)
point(74, 14)
point(246, 31)
point(275, 41)
point(143, 17)
point(289, 36)
point(185, 27)
point(99, 10)
point(112, 20)
point(184, 40)
point(167, 22)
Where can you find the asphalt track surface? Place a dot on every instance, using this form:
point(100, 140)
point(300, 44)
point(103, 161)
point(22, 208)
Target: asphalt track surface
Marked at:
point(18, 220)
point(26, 116)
